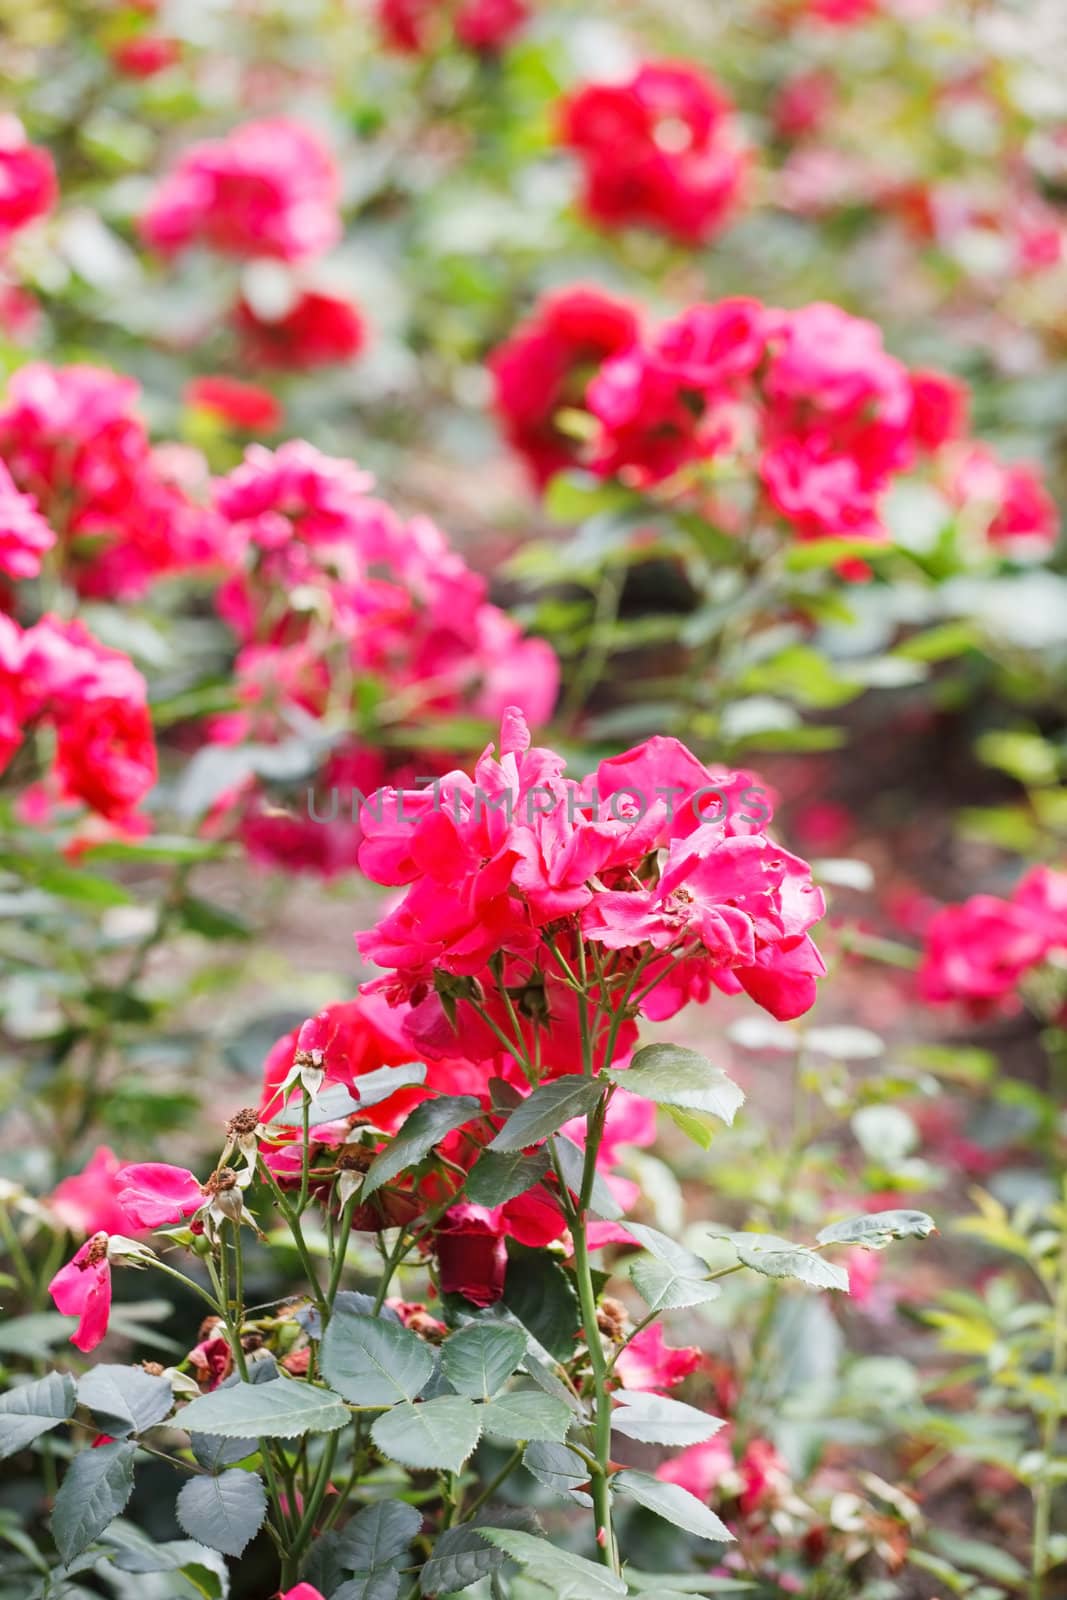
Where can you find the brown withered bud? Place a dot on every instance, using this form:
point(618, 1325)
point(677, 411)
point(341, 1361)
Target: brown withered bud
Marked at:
point(611, 1319)
point(245, 1121)
point(207, 1328)
point(154, 1369)
point(252, 1340)
point(225, 1179)
point(354, 1158)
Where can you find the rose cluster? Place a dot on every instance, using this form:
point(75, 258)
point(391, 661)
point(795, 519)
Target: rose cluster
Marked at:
point(121, 509)
point(806, 409)
point(269, 189)
point(514, 877)
point(979, 952)
point(660, 150)
point(333, 591)
point(467, 1243)
point(93, 699)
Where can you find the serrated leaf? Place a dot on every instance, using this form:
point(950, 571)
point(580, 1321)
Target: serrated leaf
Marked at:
point(371, 1361)
point(32, 1409)
point(780, 1258)
point(462, 1557)
point(674, 1504)
point(675, 1278)
point(95, 1490)
point(655, 1419)
point(427, 1125)
point(279, 1410)
point(559, 1468)
point(495, 1179)
point(527, 1414)
point(545, 1111)
point(479, 1359)
point(215, 1453)
point(876, 1229)
point(125, 1399)
point(225, 1513)
point(382, 1585)
point(671, 1075)
point(567, 1576)
point(171, 1556)
point(438, 1434)
point(323, 1567)
point(378, 1534)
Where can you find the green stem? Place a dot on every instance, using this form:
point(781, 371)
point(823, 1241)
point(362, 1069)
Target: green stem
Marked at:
point(1053, 1419)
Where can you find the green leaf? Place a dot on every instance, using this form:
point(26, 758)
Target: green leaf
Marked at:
point(780, 1258)
point(540, 1294)
point(437, 1434)
point(462, 1557)
point(671, 1075)
point(687, 1583)
point(125, 1399)
point(527, 1414)
point(653, 1419)
point(377, 1535)
point(818, 553)
point(29, 1335)
point(876, 1229)
point(211, 921)
point(674, 1504)
point(278, 1410)
point(32, 1409)
point(567, 1577)
point(675, 1278)
point(380, 1585)
point(373, 1361)
point(546, 1110)
point(696, 1125)
point(426, 1126)
point(225, 1513)
point(337, 1100)
point(572, 1165)
point(495, 1178)
point(559, 1468)
point(479, 1359)
point(75, 884)
point(95, 1490)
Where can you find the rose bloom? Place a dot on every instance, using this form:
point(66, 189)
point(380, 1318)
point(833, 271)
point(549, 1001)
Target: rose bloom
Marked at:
point(660, 150)
point(318, 330)
point(27, 179)
point(24, 534)
point(546, 364)
point(979, 951)
point(145, 55)
point(243, 405)
point(268, 188)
